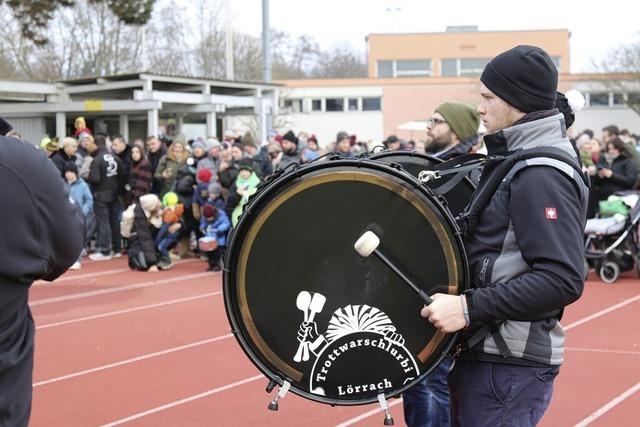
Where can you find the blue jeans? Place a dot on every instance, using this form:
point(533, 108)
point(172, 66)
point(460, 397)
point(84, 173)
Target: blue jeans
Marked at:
point(487, 394)
point(426, 404)
point(164, 240)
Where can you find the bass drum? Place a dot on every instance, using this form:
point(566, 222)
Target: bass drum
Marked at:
point(414, 163)
point(308, 309)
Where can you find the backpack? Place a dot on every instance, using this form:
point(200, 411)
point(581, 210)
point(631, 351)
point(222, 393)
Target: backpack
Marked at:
point(126, 223)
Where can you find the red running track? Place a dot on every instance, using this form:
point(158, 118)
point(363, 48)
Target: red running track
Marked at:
point(116, 347)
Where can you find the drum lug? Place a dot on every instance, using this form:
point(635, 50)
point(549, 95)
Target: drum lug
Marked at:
point(273, 405)
point(388, 419)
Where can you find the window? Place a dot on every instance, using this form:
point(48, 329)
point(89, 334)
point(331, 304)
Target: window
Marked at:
point(353, 104)
point(633, 98)
point(385, 68)
point(413, 68)
point(334, 104)
point(449, 67)
point(463, 66)
point(371, 104)
point(316, 105)
point(472, 66)
point(598, 99)
point(294, 104)
point(618, 99)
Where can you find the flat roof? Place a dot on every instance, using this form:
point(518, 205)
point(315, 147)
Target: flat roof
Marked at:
point(153, 75)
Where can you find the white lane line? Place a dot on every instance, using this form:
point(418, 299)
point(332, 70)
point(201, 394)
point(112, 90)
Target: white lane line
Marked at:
point(609, 406)
point(126, 311)
point(89, 294)
point(132, 360)
point(602, 350)
point(67, 278)
point(602, 313)
point(368, 414)
point(183, 401)
point(568, 327)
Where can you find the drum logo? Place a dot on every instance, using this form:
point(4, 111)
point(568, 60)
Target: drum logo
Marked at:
point(360, 355)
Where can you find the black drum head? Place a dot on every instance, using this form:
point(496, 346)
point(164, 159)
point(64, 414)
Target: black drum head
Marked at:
point(308, 309)
point(414, 163)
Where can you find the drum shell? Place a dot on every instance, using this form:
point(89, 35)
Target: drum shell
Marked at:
point(272, 190)
point(207, 244)
point(413, 163)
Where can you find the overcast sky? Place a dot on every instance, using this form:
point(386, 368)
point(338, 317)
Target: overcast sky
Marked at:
point(595, 28)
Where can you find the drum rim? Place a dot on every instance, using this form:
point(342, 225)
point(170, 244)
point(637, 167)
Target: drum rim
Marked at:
point(239, 328)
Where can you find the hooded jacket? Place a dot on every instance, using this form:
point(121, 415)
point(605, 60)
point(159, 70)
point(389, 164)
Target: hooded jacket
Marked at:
point(526, 252)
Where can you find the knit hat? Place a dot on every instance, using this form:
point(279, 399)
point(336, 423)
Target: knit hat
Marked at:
point(569, 105)
point(463, 119)
point(246, 164)
point(524, 77)
point(390, 140)
point(248, 139)
point(49, 145)
point(204, 175)
point(198, 143)
point(170, 199)
point(209, 211)
point(291, 137)
point(215, 189)
point(71, 167)
point(342, 135)
point(148, 202)
point(5, 127)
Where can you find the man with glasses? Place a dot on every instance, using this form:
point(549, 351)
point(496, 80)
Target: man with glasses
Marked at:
point(452, 130)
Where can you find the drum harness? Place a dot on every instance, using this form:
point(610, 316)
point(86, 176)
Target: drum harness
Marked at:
point(495, 169)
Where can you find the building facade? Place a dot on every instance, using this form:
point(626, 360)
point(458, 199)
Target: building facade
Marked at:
point(411, 74)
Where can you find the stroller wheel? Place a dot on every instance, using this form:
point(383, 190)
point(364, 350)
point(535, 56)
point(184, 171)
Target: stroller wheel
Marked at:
point(609, 272)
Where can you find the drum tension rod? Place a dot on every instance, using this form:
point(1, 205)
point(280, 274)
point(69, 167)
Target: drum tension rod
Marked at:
point(388, 419)
point(273, 405)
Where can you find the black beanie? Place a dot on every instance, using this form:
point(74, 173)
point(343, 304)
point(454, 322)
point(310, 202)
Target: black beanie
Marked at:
point(524, 77)
point(291, 137)
point(71, 167)
point(562, 104)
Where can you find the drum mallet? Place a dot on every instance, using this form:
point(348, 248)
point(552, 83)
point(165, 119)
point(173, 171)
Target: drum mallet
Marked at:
point(368, 243)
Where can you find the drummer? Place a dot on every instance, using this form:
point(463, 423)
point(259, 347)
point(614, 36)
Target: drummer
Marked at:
point(452, 130)
point(525, 254)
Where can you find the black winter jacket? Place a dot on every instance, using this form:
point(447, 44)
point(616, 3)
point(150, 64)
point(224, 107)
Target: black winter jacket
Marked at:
point(106, 176)
point(42, 235)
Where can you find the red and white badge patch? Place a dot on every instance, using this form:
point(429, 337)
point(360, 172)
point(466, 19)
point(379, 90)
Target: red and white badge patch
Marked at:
point(551, 213)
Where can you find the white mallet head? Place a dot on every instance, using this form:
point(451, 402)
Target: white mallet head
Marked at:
point(367, 243)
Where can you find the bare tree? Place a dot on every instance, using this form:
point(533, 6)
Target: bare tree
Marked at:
point(340, 63)
point(624, 63)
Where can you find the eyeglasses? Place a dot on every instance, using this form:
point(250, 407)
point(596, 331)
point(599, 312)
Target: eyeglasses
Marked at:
point(434, 121)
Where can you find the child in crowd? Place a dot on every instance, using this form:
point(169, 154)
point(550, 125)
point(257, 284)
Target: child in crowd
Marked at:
point(201, 193)
point(215, 196)
point(170, 230)
point(80, 193)
point(215, 224)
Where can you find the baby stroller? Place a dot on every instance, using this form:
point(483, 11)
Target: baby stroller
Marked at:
point(611, 243)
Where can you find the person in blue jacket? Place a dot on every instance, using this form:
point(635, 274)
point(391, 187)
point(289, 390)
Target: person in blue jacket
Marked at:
point(81, 194)
point(215, 224)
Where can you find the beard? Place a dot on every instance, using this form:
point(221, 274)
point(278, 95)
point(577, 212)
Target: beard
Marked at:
point(437, 144)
